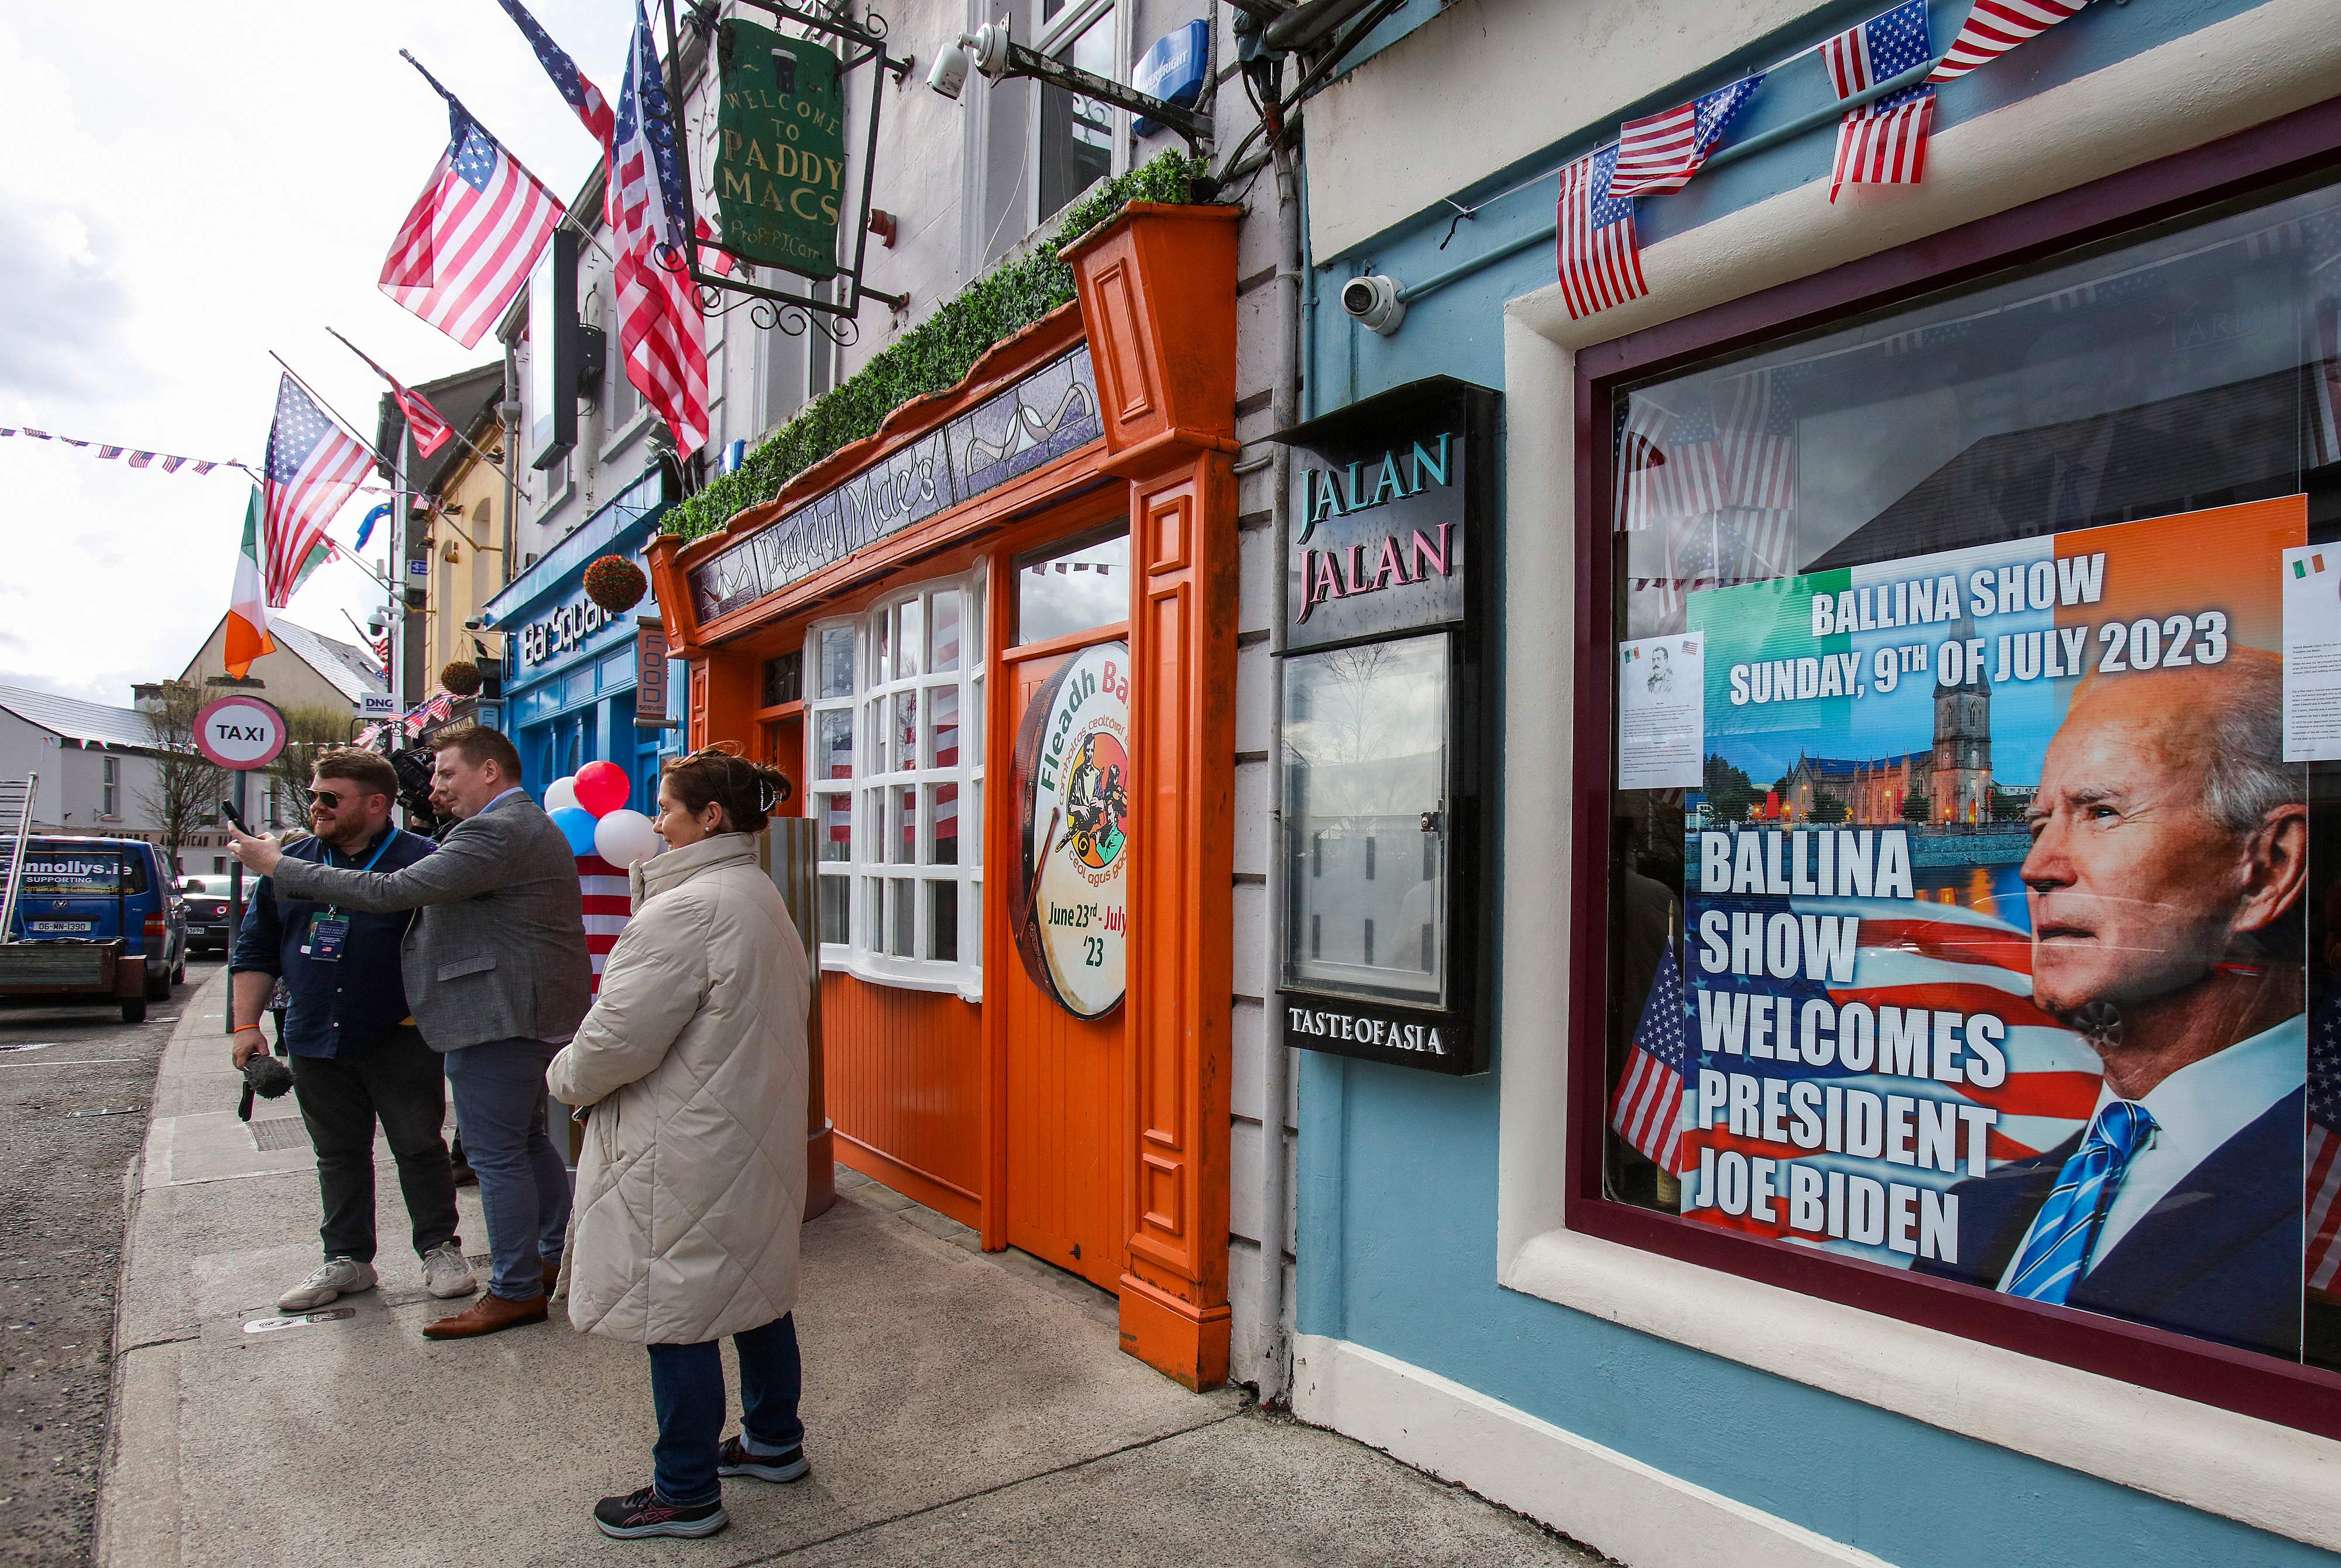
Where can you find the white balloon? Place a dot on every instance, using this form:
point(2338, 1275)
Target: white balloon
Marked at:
point(559, 793)
point(624, 836)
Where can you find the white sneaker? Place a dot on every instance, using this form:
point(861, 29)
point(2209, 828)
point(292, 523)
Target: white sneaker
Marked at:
point(336, 1277)
point(445, 1272)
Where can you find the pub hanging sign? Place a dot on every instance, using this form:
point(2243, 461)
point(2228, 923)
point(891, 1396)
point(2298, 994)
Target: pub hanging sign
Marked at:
point(780, 150)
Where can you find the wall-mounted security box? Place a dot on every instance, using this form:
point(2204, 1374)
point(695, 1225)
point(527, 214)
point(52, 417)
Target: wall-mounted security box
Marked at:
point(553, 352)
point(1388, 759)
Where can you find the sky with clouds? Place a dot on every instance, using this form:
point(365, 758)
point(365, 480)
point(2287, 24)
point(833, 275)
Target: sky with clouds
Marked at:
point(187, 188)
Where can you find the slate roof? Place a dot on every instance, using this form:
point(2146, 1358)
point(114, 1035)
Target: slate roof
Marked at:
point(90, 723)
point(351, 668)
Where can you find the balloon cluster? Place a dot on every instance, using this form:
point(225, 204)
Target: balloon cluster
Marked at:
point(590, 808)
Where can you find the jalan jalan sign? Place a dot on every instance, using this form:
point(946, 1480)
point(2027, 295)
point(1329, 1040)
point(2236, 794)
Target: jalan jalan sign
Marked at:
point(779, 153)
point(1069, 903)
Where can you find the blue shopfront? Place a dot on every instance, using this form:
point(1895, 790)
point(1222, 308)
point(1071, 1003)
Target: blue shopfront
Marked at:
point(573, 687)
point(1597, 1281)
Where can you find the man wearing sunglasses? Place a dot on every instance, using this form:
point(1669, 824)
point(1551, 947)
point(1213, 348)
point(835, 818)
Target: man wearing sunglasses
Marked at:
point(357, 1057)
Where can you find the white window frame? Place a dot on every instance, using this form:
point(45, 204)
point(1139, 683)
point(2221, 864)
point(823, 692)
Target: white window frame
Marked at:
point(1047, 38)
point(110, 787)
point(874, 881)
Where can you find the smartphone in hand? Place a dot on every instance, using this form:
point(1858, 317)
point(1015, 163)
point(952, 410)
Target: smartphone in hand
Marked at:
point(236, 818)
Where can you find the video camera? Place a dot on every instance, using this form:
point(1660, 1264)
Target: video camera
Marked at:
point(413, 765)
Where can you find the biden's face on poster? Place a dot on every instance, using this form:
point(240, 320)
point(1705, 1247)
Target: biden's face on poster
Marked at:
point(2166, 834)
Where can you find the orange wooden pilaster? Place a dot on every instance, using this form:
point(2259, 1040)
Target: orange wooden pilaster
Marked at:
point(1174, 1291)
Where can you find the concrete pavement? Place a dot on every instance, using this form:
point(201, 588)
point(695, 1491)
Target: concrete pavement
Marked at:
point(959, 1407)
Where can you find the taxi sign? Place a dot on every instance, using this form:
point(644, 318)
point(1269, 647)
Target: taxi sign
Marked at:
point(240, 733)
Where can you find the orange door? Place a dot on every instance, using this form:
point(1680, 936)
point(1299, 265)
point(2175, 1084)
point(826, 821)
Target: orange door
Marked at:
point(1065, 1111)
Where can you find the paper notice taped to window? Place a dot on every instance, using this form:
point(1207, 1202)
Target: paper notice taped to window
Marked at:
point(1662, 711)
point(2312, 653)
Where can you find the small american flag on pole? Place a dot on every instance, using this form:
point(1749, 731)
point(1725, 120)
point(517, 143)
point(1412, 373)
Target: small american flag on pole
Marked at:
point(1601, 262)
point(1994, 27)
point(1647, 1109)
point(1661, 151)
point(1883, 143)
point(659, 326)
point(473, 236)
point(426, 425)
point(313, 467)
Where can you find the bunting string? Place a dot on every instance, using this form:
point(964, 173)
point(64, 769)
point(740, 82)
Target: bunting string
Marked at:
point(138, 457)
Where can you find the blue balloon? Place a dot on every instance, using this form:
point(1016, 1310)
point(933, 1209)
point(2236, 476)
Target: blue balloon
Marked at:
point(576, 825)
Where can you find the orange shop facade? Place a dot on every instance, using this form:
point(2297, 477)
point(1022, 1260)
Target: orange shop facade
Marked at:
point(994, 647)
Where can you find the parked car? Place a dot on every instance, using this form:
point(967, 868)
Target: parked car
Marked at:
point(96, 917)
point(210, 915)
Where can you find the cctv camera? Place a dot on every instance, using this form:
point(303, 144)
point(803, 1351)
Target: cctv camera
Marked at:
point(1373, 301)
point(949, 73)
point(473, 623)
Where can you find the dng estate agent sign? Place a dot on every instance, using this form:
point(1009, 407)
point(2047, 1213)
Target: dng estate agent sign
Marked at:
point(780, 156)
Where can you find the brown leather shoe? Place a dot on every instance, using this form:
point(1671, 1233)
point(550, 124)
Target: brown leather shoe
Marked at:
point(488, 1315)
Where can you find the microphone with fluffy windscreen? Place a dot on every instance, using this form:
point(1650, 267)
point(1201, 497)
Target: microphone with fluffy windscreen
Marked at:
point(264, 1075)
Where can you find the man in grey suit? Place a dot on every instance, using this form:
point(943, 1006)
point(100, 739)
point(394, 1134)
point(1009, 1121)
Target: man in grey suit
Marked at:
point(497, 972)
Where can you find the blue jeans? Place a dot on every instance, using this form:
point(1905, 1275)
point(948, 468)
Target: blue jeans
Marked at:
point(499, 1089)
point(687, 1387)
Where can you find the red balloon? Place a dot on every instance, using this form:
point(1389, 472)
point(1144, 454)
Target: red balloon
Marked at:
point(603, 787)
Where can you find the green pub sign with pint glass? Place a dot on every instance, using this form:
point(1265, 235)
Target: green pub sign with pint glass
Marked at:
point(780, 158)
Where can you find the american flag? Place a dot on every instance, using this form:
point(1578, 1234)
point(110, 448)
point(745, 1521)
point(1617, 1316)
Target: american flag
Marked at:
point(1647, 1109)
point(659, 326)
point(1883, 143)
point(609, 905)
point(473, 236)
point(1601, 263)
point(2322, 1261)
point(1642, 430)
point(1915, 954)
point(1661, 151)
point(1994, 27)
point(313, 467)
point(593, 110)
point(1689, 483)
point(1760, 443)
point(426, 425)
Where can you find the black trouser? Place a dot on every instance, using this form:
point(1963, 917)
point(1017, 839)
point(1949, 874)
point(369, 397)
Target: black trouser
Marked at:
point(402, 1082)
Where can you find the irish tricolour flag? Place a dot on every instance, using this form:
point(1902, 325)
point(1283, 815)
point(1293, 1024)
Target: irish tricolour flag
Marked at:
point(247, 612)
point(2308, 565)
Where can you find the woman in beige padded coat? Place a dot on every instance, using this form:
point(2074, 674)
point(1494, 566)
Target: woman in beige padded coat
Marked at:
point(691, 1183)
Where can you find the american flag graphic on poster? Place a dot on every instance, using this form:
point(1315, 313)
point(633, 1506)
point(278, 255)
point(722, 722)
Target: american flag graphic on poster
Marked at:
point(609, 905)
point(1661, 152)
point(313, 467)
point(1601, 262)
point(2321, 1262)
point(1883, 143)
point(1993, 28)
point(660, 330)
point(1647, 1109)
point(471, 238)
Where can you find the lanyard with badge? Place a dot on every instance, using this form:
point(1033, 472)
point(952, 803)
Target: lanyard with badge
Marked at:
point(329, 929)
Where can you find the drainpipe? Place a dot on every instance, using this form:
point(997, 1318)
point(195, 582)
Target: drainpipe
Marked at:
point(508, 415)
point(1273, 1375)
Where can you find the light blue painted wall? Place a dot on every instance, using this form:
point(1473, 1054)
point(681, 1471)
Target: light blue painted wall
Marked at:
point(1397, 1173)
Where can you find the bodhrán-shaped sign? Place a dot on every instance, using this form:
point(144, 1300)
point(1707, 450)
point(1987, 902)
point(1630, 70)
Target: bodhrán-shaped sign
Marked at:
point(780, 152)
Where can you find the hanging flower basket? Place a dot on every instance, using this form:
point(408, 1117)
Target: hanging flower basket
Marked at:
point(462, 677)
point(615, 583)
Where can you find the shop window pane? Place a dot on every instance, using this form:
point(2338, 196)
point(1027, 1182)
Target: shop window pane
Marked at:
point(1077, 132)
point(902, 896)
point(837, 662)
point(874, 821)
point(784, 679)
point(836, 812)
point(873, 913)
point(833, 744)
point(2055, 537)
point(1366, 764)
point(943, 726)
point(975, 721)
point(943, 800)
point(974, 835)
point(880, 647)
point(943, 922)
point(1072, 587)
point(906, 827)
point(906, 730)
point(873, 713)
point(833, 910)
point(911, 639)
point(942, 632)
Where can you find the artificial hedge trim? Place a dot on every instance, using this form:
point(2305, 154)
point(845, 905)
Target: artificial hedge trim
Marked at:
point(933, 356)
